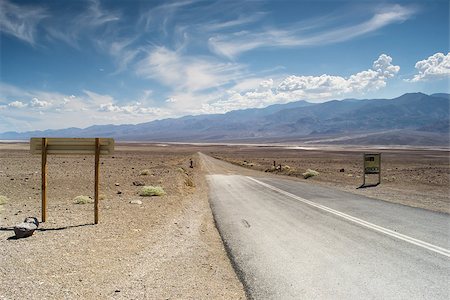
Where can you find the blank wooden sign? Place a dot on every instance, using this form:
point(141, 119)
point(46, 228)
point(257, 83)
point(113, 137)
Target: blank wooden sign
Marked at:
point(75, 146)
point(79, 146)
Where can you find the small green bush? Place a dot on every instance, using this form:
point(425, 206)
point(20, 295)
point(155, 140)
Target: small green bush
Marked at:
point(3, 200)
point(145, 172)
point(148, 191)
point(310, 173)
point(82, 200)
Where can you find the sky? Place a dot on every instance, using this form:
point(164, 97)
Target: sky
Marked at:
point(79, 63)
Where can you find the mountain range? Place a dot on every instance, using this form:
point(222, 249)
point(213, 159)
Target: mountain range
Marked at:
point(411, 119)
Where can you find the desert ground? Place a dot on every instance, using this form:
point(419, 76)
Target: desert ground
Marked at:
point(410, 176)
point(167, 247)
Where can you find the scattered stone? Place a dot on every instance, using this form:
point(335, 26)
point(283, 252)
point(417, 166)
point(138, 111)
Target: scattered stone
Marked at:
point(33, 220)
point(138, 183)
point(136, 202)
point(116, 184)
point(119, 192)
point(26, 228)
point(342, 170)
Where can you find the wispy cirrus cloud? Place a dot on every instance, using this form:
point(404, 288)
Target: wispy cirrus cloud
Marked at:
point(85, 24)
point(21, 21)
point(231, 45)
point(187, 73)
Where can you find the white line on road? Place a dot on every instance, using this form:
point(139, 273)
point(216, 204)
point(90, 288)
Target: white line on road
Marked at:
point(372, 226)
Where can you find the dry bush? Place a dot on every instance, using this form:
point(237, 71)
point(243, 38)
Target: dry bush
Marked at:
point(144, 172)
point(310, 173)
point(82, 200)
point(148, 191)
point(3, 200)
point(188, 182)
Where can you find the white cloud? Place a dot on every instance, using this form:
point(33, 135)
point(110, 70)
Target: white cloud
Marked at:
point(35, 102)
point(17, 104)
point(171, 100)
point(130, 109)
point(328, 85)
point(20, 21)
point(231, 45)
point(63, 111)
point(186, 73)
point(436, 66)
point(311, 88)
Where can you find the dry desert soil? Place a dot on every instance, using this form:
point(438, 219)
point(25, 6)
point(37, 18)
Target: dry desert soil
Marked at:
point(167, 247)
point(409, 176)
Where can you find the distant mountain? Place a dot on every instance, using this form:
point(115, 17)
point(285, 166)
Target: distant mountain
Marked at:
point(416, 119)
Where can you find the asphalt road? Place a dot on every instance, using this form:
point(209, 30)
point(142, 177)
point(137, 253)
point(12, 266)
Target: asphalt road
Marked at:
point(295, 240)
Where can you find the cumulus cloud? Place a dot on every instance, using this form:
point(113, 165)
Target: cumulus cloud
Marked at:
point(129, 109)
point(436, 66)
point(311, 88)
point(171, 100)
point(17, 104)
point(329, 85)
point(35, 102)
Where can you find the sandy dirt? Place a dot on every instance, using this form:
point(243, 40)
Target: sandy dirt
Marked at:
point(165, 248)
point(413, 177)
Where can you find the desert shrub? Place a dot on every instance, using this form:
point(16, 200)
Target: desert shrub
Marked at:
point(188, 182)
point(82, 200)
point(3, 200)
point(285, 168)
point(145, 172)
point(148, 191)
point(181, 170)
point(310, 173)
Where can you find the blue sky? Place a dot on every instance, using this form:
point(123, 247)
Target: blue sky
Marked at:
point(79, 63)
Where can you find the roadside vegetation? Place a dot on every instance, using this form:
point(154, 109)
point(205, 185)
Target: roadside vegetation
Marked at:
point(149, 191)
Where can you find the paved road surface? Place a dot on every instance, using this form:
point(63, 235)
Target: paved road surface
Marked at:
point(295, 240)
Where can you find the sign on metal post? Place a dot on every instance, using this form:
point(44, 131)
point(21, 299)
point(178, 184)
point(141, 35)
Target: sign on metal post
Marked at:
point(372, 165)
point(76, 146)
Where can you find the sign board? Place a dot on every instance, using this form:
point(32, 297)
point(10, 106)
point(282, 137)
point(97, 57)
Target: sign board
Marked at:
point(372, 163)
point(79, 146)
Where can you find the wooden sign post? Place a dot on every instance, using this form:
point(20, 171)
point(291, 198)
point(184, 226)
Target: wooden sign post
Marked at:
point(79, 146)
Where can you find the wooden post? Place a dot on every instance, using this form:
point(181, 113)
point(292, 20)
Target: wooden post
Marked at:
point(364, 170)
point(97, 169)
point(44, 180)
point(379, 172)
